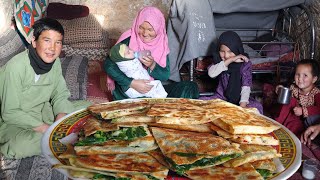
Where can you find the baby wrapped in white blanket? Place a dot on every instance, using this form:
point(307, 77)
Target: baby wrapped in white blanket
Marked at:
point(132, 67)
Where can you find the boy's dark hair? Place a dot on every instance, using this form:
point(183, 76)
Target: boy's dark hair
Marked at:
point(46, 24)
point(314, 66)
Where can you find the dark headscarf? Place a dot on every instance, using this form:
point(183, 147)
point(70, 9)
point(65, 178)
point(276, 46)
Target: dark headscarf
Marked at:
point(115, 55)
point(38, 65)
point(234, 43)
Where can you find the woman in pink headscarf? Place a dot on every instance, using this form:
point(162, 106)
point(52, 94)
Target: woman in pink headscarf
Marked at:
point(148, 32)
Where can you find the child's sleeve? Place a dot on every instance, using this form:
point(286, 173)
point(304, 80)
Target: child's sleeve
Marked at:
point(245, 94)
point(216, 69)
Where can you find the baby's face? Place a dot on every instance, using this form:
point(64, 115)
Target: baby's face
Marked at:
point(128, 53)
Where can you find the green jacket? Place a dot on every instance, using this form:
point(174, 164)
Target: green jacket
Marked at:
point(26, 103)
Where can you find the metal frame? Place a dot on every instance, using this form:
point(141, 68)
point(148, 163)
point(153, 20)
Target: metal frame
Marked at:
point(298, 26)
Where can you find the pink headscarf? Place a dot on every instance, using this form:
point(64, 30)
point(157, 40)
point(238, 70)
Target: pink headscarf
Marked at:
point(159, 45)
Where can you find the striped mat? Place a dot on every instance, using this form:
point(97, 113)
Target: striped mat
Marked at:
point(32, 168)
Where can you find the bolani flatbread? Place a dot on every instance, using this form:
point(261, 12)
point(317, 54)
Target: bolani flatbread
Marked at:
point(119, 109)
point(260, 139)
point(189, 150)
point(181, 113)
point(245, 171)
point(265, 167)
point(124, 164)
point(106, 138)
point(203, 128)
point(92, 125)
point(245, 124)
point(238, 120)
point(253, 153)
point(142, 117)
point(267, 164)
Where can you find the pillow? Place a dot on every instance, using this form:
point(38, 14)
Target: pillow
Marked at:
point(103, 44)
point(86, 29)
point(89, 53)
point(10, 45)
point(66, 11)
point(74, 70)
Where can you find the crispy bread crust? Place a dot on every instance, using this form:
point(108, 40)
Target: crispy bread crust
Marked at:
point(260, 139)
point(222, 173)
point(118, 109)
point(204, 145)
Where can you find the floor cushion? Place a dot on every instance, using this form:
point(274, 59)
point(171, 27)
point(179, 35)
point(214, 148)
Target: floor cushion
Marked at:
point(74, 70)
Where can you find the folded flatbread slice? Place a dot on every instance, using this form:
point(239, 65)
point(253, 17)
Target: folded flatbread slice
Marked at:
point(264, 167)
point(253, 153)
point(143, 118)
point(157, 154)
point(220, 104)
point(84, 173)
point(238, 122)
point(245, 171)
point(119, 109)
point(120, 165)
point(260, 139)
point(102, 137)
point(186, 150)
point(204, 128)
point(181, 113)
point(69, 153)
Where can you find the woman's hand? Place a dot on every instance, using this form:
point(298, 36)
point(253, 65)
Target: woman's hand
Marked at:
point(297, 111)
point(141, 85)
point(42, 128)
point(310, 134)
point(148, 61)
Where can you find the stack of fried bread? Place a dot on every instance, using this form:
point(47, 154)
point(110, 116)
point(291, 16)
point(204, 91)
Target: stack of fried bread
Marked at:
point(251, 131)
point(143, 139)
point(108, 150)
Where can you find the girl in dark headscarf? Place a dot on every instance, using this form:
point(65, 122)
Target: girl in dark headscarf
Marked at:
point(234, 70)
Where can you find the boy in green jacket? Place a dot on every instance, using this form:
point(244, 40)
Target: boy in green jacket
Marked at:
point(33, 92)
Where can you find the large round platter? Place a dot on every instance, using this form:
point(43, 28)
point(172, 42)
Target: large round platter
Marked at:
point(289, 147)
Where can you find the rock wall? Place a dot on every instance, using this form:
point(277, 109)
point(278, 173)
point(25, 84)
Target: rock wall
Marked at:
point(6, 12)
point(116, 16)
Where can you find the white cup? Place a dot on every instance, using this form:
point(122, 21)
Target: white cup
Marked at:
point(310, 169)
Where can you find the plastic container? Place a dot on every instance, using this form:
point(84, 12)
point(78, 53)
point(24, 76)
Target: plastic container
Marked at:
point(141, 54)
point(310, 169)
